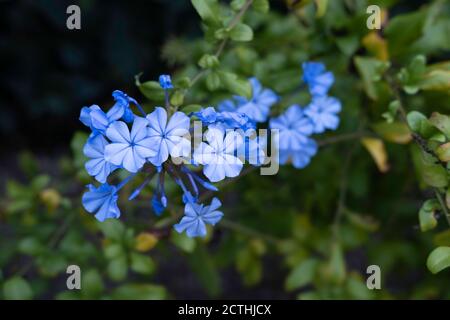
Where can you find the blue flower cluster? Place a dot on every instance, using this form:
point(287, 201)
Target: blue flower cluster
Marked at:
point(297, 124)
point(158, 145)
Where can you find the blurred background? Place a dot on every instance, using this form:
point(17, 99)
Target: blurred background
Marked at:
point(48, 73)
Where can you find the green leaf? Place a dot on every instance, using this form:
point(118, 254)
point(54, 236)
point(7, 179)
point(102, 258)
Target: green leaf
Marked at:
point(30, 246)
point(435, 175)
point(249, 264)
point(321, 7)
point(191, 108)
point(51, 263)
point(241, 32)
point(118, 269)
point(208, 61)
point(207, 9)
point(234, 84)
point(403, 30)
point(212, 81)
point(262, 6)
point(91, 284)
point(139, 292)
point(113, 250)
point(438, 80)
point(183, 242)
point(17, 288)
point(40, 182)
point(371, 70)
point(439, 259)
point(415, 119)
point(393, 108)
point(336, 265)
point(151, 90)
point(142, 264)
point(427, 218)
point(204, 268)
point(441, 122)
point(236, 5)
point(112, 229)
point(177, 98)
point(443, 152)
point(411, 76)
point(396, 132)
point(301, 275)
point(421, 125)
point(442, 238)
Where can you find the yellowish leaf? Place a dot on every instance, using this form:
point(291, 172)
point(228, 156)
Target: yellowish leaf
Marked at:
point(145, 241)
point(378, 152)
point(397, 132)
point(376, 45)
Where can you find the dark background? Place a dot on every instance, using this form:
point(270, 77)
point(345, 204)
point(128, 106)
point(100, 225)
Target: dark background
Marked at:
point(50, 72)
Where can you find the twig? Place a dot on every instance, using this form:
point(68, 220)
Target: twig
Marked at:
point(224, 42)
point(443, 205)
point(249, 231)
point(343, 137)
point(342, 193)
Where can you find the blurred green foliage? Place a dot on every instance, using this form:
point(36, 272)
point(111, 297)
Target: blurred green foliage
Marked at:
point(374, 186)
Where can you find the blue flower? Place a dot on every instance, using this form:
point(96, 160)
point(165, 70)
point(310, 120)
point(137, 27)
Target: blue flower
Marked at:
point(196, 216)
point(294, 128)
point(317, 78)
point(252, 150)
point(300, 158)
point(159, 203)
point(129, 150)
point(96, 119)
point(167, 137)
point(165, 82)
point(226, 119)
point(121, 108)
point(218, 156)
point(159, 199)
point(97, 167)
point(258, 107)
point(323, 113)
point(102, 201)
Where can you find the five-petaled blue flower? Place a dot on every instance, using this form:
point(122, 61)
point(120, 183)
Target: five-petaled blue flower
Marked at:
point(165, 82)
point(323, 112)
point(294, 128)
point(129, 150)
point(294, 142)
point(196, 216)
point(257, 108)
point(97, 167)
point(218, 156)
point(167, 137)
point(102, 201)
point(318, 79)
point(299, 158)
point(96, 119)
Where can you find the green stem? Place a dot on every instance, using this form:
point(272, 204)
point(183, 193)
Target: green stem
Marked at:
point(344, 137)
point(249, 231)
point(443, 205)
point(237, 18)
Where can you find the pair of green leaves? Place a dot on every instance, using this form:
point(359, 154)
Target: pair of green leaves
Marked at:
point(120, 253)
point(418, 76)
